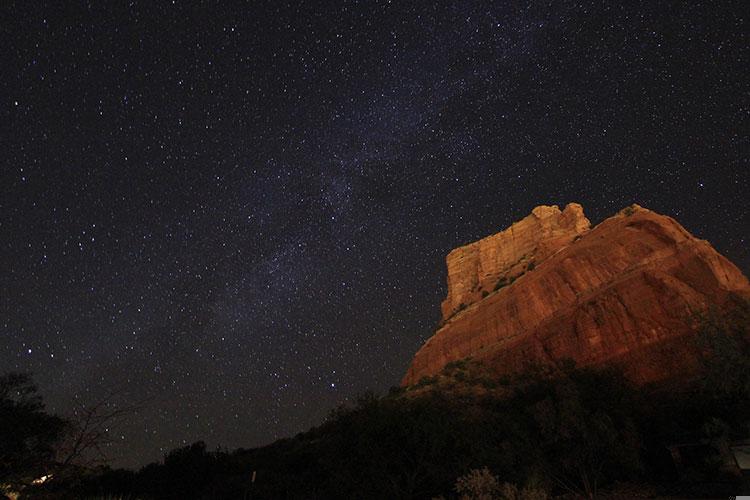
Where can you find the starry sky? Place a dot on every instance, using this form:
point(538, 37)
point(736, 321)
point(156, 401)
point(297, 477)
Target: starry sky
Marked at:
point(234, 215)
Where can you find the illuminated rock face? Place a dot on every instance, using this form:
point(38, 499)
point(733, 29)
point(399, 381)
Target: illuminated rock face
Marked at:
point(477, 267)
point(622, 293)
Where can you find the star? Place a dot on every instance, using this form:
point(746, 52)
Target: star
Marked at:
point(243, 213)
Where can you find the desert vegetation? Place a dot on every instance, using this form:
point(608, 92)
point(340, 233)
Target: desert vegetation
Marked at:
point(465, 433)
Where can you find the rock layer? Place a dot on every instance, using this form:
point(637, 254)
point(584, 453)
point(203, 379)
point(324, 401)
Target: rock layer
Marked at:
point(479, 266)
point(622, 293)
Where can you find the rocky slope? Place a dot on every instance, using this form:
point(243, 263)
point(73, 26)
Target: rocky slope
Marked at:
point(550, 288)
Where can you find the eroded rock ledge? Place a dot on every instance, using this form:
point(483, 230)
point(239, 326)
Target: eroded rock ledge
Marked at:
point(476, 269)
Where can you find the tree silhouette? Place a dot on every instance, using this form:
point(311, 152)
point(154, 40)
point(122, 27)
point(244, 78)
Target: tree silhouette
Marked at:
point(27, 433)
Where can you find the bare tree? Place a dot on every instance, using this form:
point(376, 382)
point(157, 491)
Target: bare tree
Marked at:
point(89, 432)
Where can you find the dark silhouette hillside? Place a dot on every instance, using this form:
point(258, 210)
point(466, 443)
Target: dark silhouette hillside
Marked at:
point(571, 431)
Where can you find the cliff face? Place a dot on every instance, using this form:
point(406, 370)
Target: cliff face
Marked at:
point(477, 267)
point(550, 288)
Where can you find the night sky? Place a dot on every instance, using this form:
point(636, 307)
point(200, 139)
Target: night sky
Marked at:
point(235, 215)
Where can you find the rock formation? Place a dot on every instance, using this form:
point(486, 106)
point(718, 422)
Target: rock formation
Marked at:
point(477, 267)
point(549, 288)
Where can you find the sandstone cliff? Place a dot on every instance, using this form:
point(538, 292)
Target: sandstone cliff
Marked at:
point(550, 288)
point(477, 267)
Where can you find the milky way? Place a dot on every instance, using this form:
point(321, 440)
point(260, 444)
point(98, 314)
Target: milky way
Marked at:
point(235, 216)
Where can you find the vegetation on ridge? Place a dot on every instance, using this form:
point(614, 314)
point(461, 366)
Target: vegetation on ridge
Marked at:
point(467, 433)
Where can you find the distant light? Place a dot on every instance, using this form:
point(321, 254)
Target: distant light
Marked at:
point(42, 479)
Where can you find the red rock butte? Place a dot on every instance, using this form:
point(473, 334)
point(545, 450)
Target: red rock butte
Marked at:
point(550, 287)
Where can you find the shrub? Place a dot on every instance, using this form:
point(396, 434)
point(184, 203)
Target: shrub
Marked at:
point(396, 390)
point(425, 381)
point(488, 383)
point(510, 491)
point(478, 484)
point(481, 484)
point(459, 364)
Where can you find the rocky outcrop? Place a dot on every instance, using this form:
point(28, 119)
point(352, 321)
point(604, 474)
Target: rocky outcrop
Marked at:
point(476, 269)
point(550, 288)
